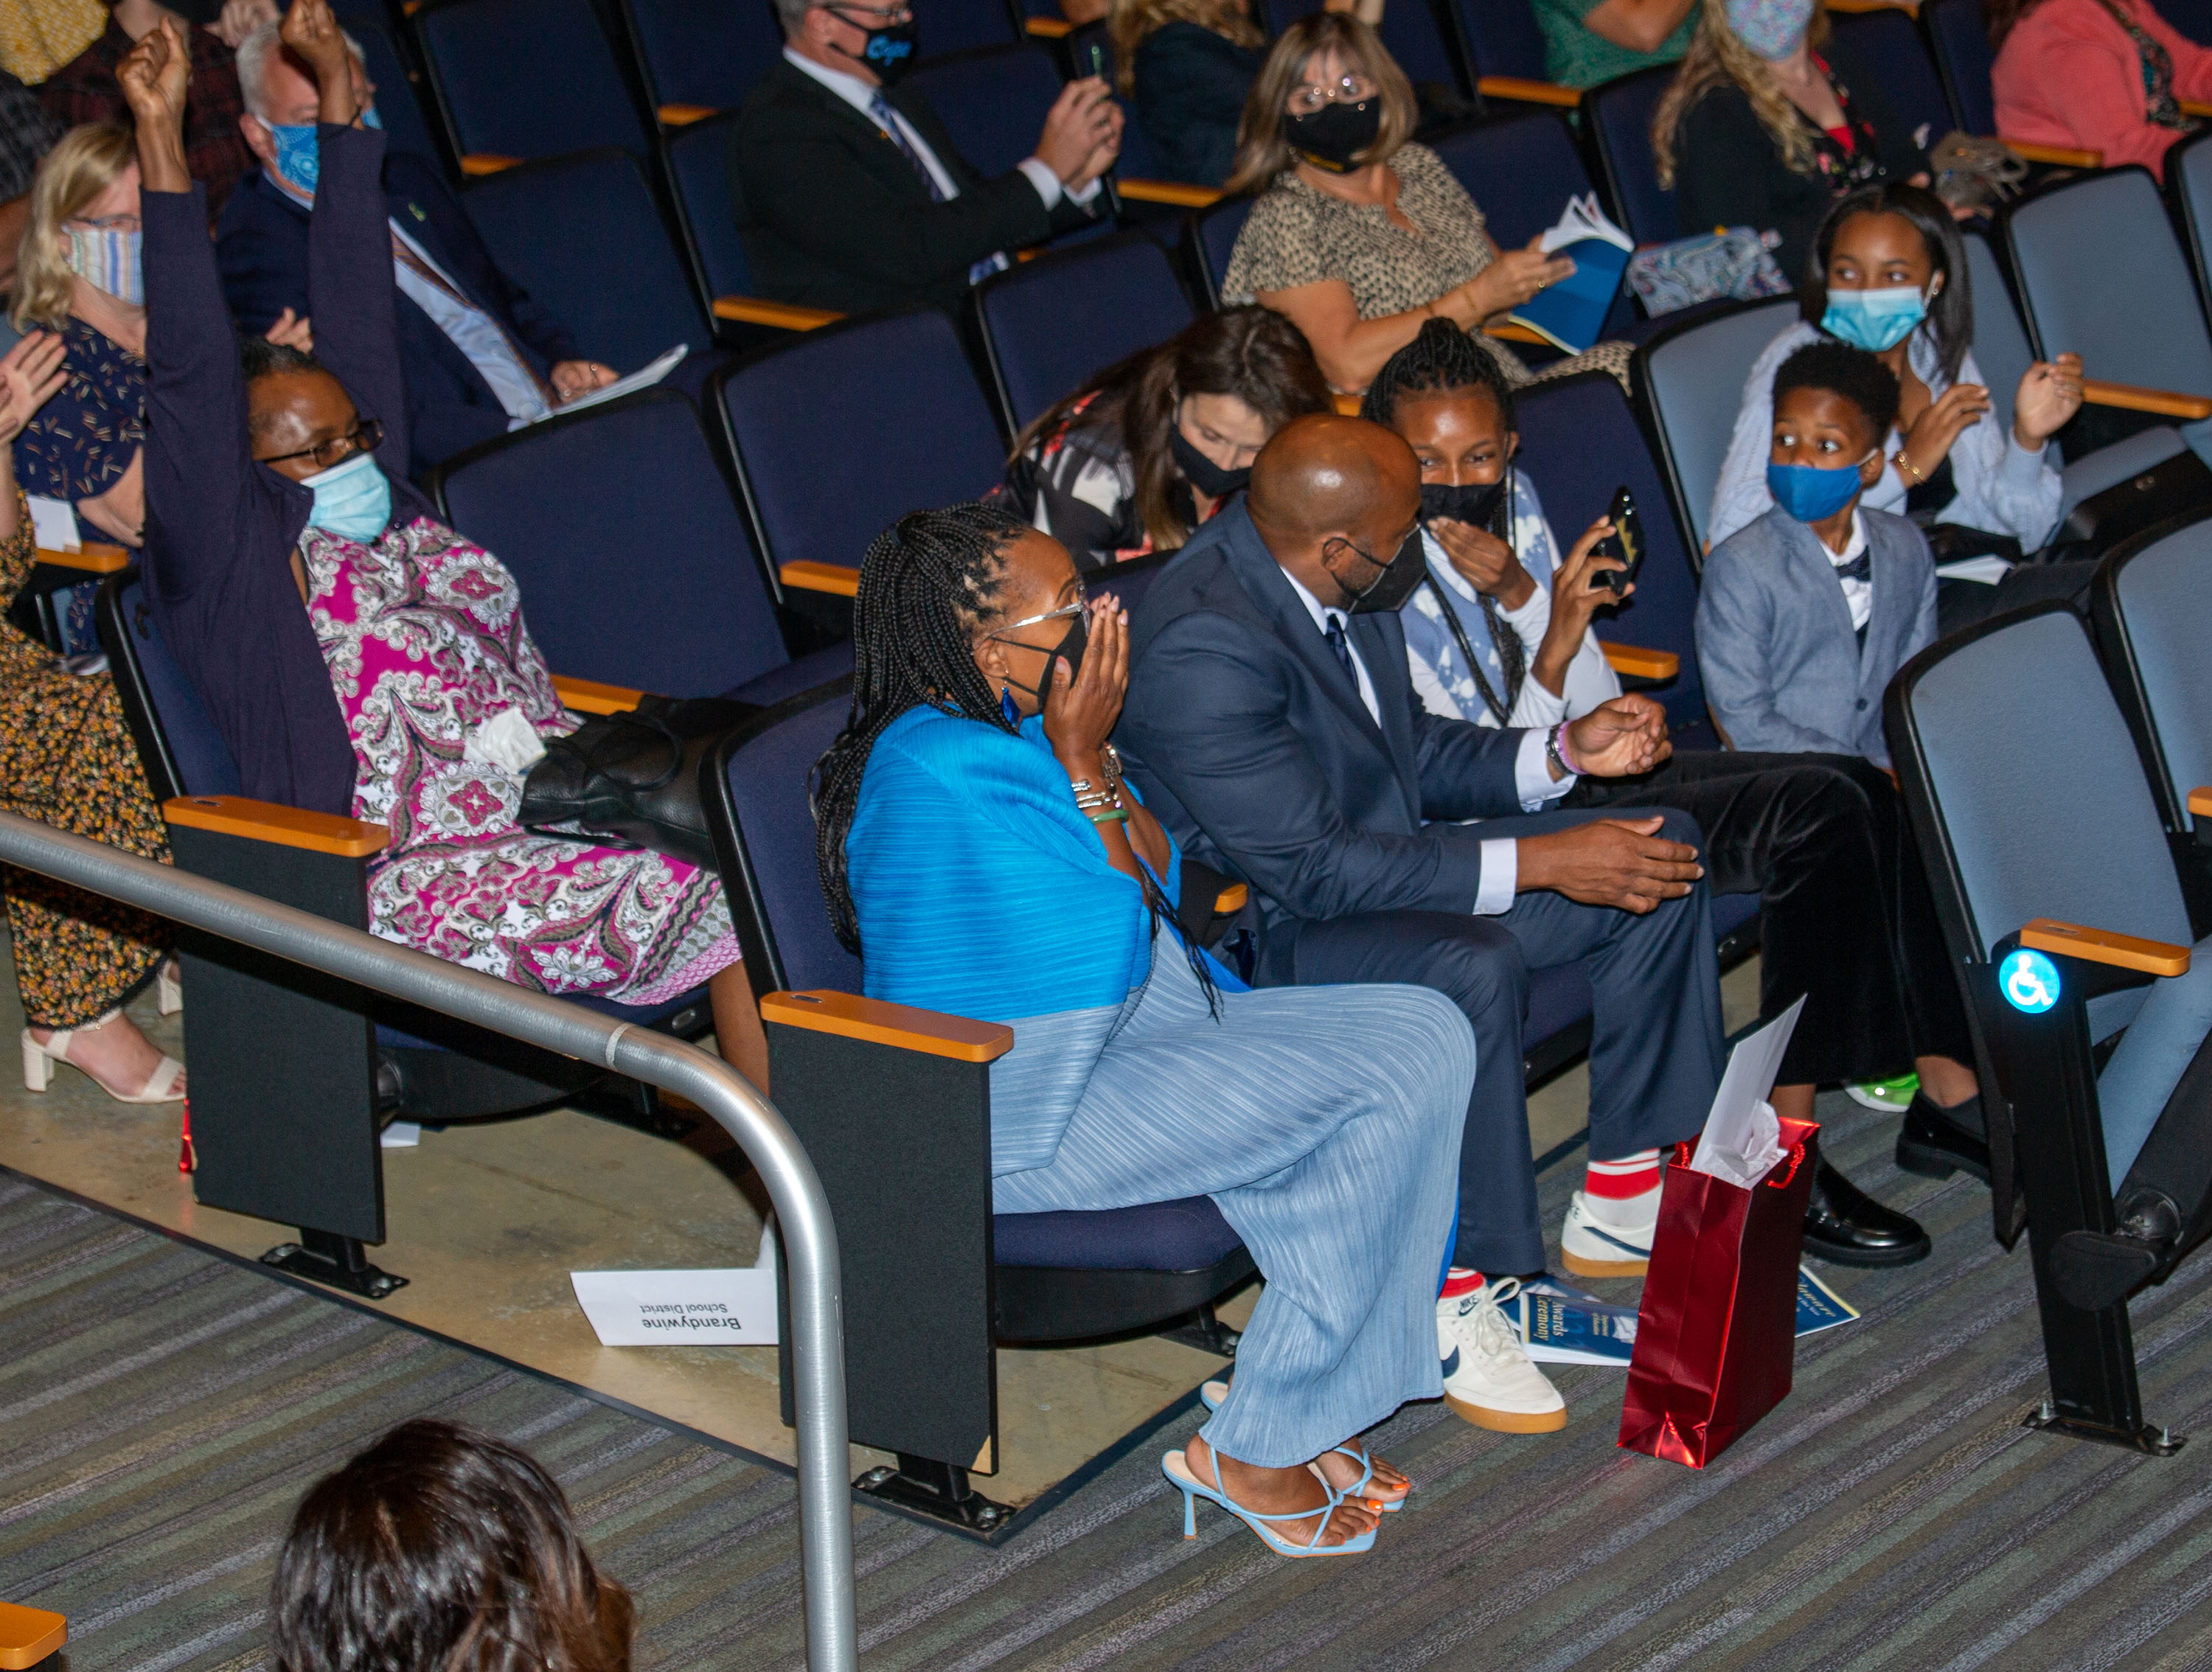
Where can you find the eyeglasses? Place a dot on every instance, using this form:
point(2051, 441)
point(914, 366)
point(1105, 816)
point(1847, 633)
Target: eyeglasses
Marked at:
point(1308, 97)
point(107, 222)
point(1061, 614)
point(872, 17)
point(366, 436)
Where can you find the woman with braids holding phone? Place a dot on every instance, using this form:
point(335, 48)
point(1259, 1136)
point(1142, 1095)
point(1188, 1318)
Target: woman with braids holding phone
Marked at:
point(981, 854)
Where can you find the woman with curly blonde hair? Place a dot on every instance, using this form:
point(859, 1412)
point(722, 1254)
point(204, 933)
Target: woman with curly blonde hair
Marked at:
point(1760, 128)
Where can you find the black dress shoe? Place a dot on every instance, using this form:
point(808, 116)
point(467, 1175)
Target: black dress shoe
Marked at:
point(1936, 1142)
point(1847, 1227)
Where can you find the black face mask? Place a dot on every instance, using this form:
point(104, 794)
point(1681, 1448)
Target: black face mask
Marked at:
point(1201, 472)
point(889, 52)
point(1335, 134)
point(1394, 579)
point(1474, 504)
point(1070, 649)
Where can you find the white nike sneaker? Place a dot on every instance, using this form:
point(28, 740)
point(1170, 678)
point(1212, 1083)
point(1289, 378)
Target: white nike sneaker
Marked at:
point(1488, 1379)
point(1590, 1248)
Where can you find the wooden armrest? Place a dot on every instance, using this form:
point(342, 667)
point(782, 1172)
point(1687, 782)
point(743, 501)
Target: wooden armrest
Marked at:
point(2195, 108)
point(1049, 28)
point(683, 116)
point(1231, 898)
point(2135, 398)
point(808, 576)
point(2200, 800)
point(95, 559)
point(2057, 157)
point(931, 1032)
point(478, 163)
point(27, 1636)
point(2124, 951)
point(1346, 405)
point(756, 311)
point(1639, 664)
point(288, 827)
point(589, 697)
point(1523, 91)
point(1169, 192)
point(1509, 330)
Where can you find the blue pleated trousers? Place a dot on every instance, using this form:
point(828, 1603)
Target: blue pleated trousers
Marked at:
point(1325, 1121)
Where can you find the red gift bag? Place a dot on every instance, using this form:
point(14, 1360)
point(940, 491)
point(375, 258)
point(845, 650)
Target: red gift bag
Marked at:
point(1716, 1331)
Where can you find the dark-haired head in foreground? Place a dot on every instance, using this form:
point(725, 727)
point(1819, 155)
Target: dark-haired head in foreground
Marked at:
point(441, 1550)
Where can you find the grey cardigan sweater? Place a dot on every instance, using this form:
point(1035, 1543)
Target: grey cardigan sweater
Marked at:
point(1784, 670)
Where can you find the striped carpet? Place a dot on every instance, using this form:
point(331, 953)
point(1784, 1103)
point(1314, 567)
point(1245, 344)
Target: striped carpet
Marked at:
point(161, 1410)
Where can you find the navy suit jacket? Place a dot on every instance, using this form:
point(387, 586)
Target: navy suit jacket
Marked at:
point(1248, 739)
point(261, 243)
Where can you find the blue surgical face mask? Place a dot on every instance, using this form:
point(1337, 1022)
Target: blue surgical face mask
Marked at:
point(353, 500)
point(298, 159)
point(1811, 493)
point(369, 118)
point(1876, 320)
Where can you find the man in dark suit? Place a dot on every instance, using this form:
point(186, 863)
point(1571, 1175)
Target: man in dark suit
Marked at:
point(849, 192)
point(478, 354)
point(1272, 724)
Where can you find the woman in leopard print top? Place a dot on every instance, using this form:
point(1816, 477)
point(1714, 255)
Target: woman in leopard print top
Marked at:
point(1359, 236)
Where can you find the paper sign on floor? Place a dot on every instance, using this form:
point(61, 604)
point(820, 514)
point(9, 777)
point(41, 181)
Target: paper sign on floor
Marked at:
point(672, 1308)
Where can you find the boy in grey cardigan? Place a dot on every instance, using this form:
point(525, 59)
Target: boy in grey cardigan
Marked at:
point(1805, 614)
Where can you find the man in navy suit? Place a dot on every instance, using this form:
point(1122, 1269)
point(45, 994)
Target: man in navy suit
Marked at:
point(479, 356)
point(1272, 722)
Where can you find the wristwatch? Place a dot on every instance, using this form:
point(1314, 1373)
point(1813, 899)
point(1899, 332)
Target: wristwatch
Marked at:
point(1554, 754)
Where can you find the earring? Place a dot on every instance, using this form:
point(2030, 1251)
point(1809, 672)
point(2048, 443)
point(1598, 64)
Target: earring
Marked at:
point(1006, 707)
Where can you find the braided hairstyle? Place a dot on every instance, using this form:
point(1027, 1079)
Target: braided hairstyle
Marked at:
point(928, 582)
point(1444, 360)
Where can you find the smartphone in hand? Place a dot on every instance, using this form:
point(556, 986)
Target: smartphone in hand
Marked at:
point(1625, 543)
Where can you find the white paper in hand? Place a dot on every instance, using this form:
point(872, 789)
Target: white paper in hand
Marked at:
point(1743, 1139)
point(645, 377)
point(53, 524)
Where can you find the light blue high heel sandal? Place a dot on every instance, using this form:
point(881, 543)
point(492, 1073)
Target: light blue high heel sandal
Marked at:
point(1210, 1394)
point(1177, 1467)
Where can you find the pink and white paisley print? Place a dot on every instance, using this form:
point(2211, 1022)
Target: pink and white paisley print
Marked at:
point(424, 635)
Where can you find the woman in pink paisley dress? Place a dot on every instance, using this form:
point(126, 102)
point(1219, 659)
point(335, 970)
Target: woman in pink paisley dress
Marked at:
point(278, 478)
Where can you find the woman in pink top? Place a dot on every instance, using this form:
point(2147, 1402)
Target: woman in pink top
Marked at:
point(2102, 74)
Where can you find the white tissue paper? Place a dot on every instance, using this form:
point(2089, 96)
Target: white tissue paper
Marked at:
point(1743, 1139)
point(506, 740)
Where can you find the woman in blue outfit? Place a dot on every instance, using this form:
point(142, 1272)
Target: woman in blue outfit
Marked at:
point(980, 851)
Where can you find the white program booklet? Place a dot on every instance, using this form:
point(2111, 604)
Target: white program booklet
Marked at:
point(53, 524)
point(625, 386)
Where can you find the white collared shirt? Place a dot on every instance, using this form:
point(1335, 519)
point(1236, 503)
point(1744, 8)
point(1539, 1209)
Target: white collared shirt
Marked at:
point(1532, 774)
point(860, 96)
point(1858, 594)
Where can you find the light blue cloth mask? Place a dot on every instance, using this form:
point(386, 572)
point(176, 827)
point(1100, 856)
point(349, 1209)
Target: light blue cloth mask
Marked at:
point(1876, 320)
point(353, 500)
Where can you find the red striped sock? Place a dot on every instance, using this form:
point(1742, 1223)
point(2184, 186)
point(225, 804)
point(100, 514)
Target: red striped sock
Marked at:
point(1460, 1281)
point(1617, 1181)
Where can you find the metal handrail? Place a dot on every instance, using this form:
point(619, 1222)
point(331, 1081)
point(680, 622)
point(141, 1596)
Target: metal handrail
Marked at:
point(810, 1239)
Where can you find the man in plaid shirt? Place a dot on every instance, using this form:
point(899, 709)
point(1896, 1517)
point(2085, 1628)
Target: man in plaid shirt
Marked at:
point(85, 90)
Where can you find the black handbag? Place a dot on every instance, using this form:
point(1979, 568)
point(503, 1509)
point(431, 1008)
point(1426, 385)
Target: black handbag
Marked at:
point(632, 779)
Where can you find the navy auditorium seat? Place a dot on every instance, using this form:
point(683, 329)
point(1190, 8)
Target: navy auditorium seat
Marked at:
point(526, 78)
point(1209, 240)
point(1520, 168)
point(704, 54)
point(631, 551)
point(1618, 118)
point(698, 167)
point(1691, 378)
point(1959, 41)
point(1421, 38)
point(1051, 324)
point(1885, 48)
point(398, 102)
point(584, 236)
point(1503, 39)
point(847, 429)
point(991, 99)
point(960, 26)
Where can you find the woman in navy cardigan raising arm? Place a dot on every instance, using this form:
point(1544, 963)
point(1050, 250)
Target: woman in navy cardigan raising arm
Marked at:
point(359, 656)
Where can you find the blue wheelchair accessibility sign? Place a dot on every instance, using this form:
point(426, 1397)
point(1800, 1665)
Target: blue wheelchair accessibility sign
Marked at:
point(2029, 981)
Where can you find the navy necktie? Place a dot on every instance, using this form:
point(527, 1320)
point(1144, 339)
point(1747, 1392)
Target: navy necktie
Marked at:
point(1338, 643)
point(880, 108)
point(1860, 567)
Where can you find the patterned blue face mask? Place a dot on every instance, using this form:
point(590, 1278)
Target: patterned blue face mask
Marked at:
point(353, 500)
point(1876, 320)
point(298, 159)
point(109, 258)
